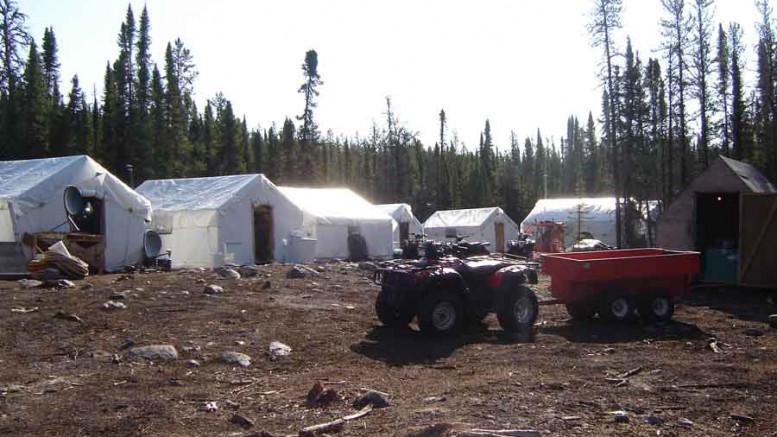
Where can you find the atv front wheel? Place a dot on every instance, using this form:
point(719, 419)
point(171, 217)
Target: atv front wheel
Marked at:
point(440, 313)
point(519, 309)
point(390, 316)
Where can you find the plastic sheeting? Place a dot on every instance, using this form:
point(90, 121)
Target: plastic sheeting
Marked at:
point(479, 224)
point(207, 222)
point(402, 213)
point(593, 215)
point(31, 199)
point(332, 213)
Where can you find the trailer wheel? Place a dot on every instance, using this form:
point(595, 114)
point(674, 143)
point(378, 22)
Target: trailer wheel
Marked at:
point(616, 308)
point(581, 310)
point(519, 309)
point(440, 313)
point(656, 307)
point(390, 316)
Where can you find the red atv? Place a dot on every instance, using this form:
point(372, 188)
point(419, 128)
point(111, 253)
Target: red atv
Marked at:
point(443, 293)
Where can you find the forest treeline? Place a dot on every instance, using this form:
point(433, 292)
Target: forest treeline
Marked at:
point(664, 119)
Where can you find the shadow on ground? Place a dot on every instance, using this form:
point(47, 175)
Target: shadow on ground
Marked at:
point(751, 304)
point(595, 331)
point(407, 346)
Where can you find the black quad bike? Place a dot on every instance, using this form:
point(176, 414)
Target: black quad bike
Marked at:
point(464, 248)
point(443, 294)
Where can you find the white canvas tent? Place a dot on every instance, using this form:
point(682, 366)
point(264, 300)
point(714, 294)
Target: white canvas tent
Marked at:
point(593, 215)
point(403, 216)
point(210, 221)
point(31, 201)
point(480, 224)
point(331, 214)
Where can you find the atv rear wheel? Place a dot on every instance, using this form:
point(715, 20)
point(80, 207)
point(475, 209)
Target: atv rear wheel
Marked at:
point(519, 309)
point(390, 316)
point(440, 313)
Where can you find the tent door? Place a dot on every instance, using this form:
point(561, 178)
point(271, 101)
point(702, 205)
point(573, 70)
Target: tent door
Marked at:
point(263, 230)
point(499, 231)
point(717, 235)
point(404, 233)
point(757, 240)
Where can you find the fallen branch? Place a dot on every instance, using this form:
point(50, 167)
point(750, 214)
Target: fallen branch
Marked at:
point(333, 426)
point(631, 372)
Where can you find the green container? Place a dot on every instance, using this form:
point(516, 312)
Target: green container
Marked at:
point(720, 265)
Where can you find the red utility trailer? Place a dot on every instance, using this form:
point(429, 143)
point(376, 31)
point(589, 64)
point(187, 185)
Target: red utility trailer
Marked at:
point(619, 284)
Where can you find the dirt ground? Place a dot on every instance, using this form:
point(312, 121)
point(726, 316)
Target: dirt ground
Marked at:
point(67, 368)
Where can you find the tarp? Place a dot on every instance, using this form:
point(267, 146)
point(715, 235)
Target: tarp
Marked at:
point(593, 215)
point(333, 213)
point(207, 222)
point(402, 213)
point(479, 224)
point(31, 201)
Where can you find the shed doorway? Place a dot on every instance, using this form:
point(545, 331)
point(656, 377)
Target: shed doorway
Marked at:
point(404, 233)
point(717, 235)
point(263, 232)
point(499, 233)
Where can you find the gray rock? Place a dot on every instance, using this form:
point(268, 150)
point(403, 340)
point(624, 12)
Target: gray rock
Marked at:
point(249, 271)
point(60, 283)
point(278, 349)
point(742, 418)
point(232, 357)
point(209, 407)
point(374, 398)
point(29, 283)
point(240, 420)
point(299, 271)
point(212, 289)
point(752, 332)
point(157, 352)
point(368, 266)
point(121, 295)
point(228, 273)
point(620, 416)
point(112, 305)
point(685, 422)
point(653, 420)
point(193, 363)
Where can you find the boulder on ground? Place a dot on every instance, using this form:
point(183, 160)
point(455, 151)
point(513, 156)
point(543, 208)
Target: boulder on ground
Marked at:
point(157, 352)
point(299, 271)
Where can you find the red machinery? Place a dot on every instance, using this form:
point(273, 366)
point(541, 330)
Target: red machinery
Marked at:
point(548, 236)
point(615, 283)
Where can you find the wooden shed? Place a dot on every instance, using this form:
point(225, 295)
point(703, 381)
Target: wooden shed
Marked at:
point(729, 214)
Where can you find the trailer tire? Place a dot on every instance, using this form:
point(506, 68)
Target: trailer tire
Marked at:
point(616, 307)
point(581, 310)
point(519, 309)
point(656, 307)
point(390, 316)
point(440, 313)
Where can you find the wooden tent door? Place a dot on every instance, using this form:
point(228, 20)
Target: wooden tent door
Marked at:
point(263, 234)
point(404, 233)
point(499, 232)
point(757, 240)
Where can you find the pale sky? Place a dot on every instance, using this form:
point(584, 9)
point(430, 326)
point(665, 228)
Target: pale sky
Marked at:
point(522, 64)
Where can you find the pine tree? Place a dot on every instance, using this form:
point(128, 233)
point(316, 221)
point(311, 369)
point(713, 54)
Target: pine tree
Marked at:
point(309, 130)
point(14, 38)
point(141, 124)
point(738, 109)
point(723, 87)
point(701, 71)
point(35, 107)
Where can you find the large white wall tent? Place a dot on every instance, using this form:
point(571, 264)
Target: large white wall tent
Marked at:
point(483, 224)
point(31, 201)
point(406, 222)
point(333, 213)
point(210, 221)
point(593, 215)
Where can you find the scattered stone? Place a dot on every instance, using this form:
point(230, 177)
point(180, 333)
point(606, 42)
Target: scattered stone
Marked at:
point(29, 283)
point(375, 398)
point(742, 418)
point(87, 286)
point(773, 321)
point(185, 292)
point(209, 407)
point(200, 281)
point(126, 345)
point(158, 352)
point(653, 420)
point(368, 266)
point(570, 418)
point(60, 284)
point(249, 271)
point(752, 332)
point(232, 357)
point(337, 287)
point(232, 405)
point(67, 316)
point(240, 343)
point(278, 349)
point(112, 305)
point(213, 289)
point(620, 416)
point(318, 396)
point(609, 350)
point(435, 399)
point(320, 269)
point(193, 363)
point(685, 422)
point(267, 285)
point(227, 273)
point(298, 271)
point(121, 295)
point(240, 420)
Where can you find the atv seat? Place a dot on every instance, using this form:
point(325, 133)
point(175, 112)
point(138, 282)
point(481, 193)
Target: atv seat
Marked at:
point(479, 269)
